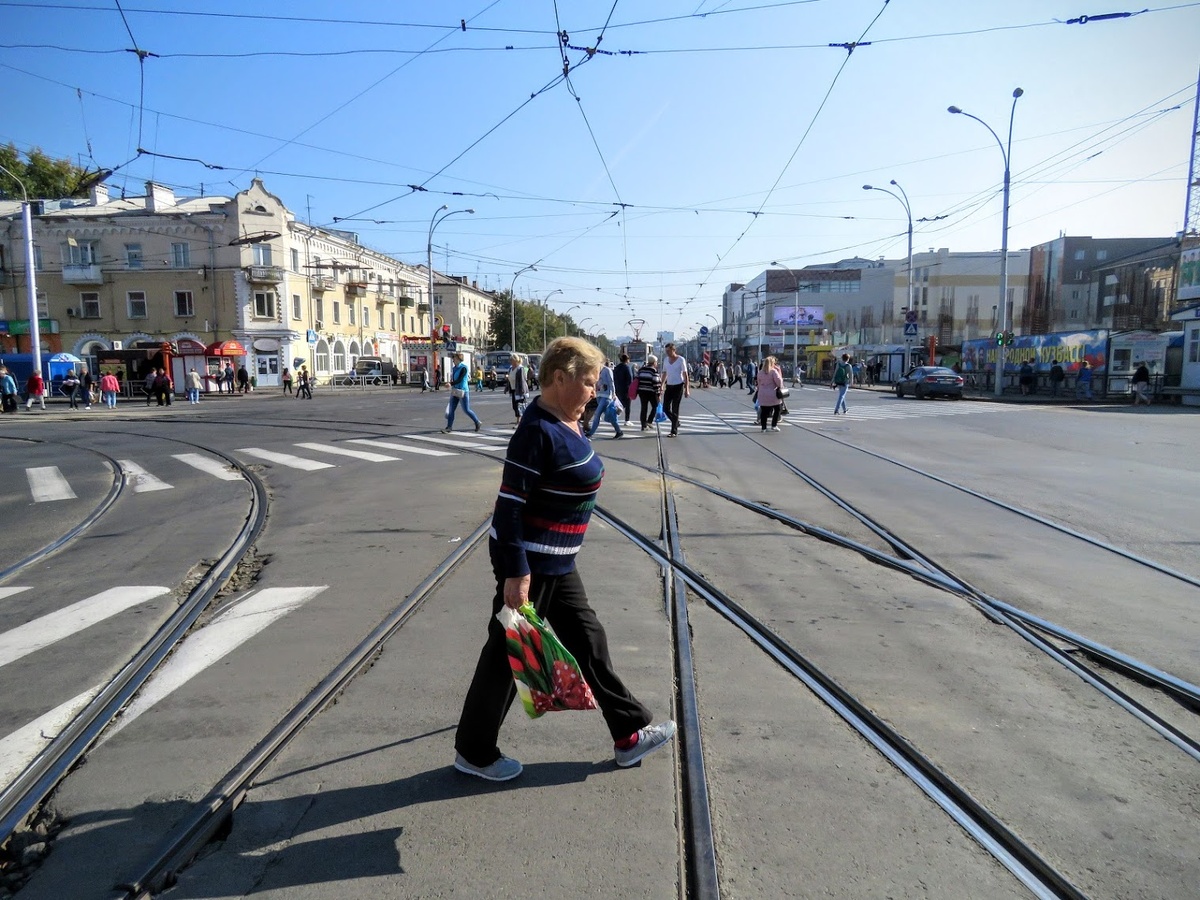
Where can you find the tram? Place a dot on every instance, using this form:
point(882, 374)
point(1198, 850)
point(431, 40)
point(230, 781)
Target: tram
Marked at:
point(637, 351)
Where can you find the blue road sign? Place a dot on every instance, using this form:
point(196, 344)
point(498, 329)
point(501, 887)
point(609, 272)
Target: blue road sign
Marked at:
point(704, 329)
point(911, 329)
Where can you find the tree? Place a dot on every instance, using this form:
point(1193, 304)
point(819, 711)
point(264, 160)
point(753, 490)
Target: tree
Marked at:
point(42, 176)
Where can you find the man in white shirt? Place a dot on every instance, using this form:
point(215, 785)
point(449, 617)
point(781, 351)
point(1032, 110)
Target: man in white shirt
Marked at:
point(675, 376)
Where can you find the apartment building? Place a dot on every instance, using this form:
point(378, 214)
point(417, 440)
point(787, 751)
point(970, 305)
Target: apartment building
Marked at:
point(221, 278)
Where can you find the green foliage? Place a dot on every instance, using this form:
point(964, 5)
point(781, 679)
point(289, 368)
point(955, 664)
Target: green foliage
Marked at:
point(533, 322)
point(43, 176)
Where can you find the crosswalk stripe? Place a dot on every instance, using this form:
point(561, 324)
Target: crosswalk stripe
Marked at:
point(10, 591)
point(484, 436)
point(346, 451)
point(403, 448)
point(62, 623)
point(225, 633)
point(212, 466)
point(286, 459)
point(46, 483)
point(142, 480)
point(461, 444)
point(21, 747)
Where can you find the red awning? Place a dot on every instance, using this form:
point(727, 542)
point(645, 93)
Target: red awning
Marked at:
point(225, 348)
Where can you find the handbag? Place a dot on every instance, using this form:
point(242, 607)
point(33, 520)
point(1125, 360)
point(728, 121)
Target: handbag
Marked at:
point(458, 392)
point(782, 393)
point(633, 390)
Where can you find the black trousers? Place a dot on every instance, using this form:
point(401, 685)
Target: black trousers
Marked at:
point(562, 602)
point(649, 407)
point(769, 412)
point(672, 395)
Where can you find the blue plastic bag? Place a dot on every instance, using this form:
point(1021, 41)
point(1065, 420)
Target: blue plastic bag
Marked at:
point(659, 415)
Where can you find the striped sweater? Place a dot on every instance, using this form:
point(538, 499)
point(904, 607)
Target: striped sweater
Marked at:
point(547, 494)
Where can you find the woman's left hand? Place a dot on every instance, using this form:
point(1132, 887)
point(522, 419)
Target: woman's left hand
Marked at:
point(516, 591)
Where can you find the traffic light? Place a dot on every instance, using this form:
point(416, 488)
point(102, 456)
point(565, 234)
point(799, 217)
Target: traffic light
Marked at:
point(999, 338)
point(445, 334)
point(1008, 338)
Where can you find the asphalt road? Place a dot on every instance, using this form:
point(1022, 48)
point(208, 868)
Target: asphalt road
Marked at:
point(363, 803)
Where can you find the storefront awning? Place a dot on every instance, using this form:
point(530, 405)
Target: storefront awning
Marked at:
point(189, 347)
point(225, 348)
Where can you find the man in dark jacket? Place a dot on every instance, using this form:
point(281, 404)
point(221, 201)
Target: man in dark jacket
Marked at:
point(623, 376)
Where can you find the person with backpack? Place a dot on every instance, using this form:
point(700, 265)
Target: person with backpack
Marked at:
point(842, 373)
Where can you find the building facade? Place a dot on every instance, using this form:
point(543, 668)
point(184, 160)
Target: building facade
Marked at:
point(222, 278)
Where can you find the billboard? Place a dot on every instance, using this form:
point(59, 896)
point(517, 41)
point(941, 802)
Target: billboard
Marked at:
point(1067, 348)
point(1189, 274)
point(809, 316)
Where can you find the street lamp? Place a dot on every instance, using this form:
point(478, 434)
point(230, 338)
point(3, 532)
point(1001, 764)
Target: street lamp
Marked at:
point(545, 304)
point(35, 337)
point(566, 327)
point(1005, 306)
point(579, 325)
point(903, 198)
point(434, 223)
point(512, 306)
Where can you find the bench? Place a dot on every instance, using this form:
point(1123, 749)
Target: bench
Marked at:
point(1178, 393)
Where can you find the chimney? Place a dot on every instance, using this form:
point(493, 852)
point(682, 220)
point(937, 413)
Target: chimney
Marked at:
point(475, 285)
point(98, 193)
point(158, 198)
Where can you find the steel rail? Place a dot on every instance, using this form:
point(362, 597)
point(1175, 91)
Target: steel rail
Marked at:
point(214, 811)
point(1014, 854)
point(114, 491)
point(33, 785)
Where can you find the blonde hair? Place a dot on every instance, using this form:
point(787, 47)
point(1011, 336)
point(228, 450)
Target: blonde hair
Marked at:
point(770, 362)
point(571, 355)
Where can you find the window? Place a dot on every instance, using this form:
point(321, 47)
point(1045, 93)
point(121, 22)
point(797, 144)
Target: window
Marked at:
point(136, 301)
point(337, 312)
point(37, 259)
point(366, 317)
point(1080, 254)
point(78, 253)
point(319, 308)
point(89, 305)
point(133, 256)
point(1194, 346)
point(1101, 255)
point(295, 260)
point(350, 313)
point(296, 307)
point(183, 304)
point(1079, 274)
point(181, 255)
point(264, 304)
point(393, 325)
point(321, 356)
point(262, 254)
point(43, 305)
point(1074, 295)
point(339, 357)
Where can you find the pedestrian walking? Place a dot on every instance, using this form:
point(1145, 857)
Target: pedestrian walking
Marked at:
point(547, 494)
point(35, 389)
point(304, 384)
point(8, 392)
point(243, 380)
point(842, 375)
point(1141, 385)
point(194, 384)
point(1083, 381)
point(677, 386)
point(70, 388)
point(606, 402)
point(770, 389)
point(735, 375)
point(1025, 379)
point(751, 372)
point(518, 385)
point(163, 388)
point(722, 375)
point(649, 388)
point(109, 388)
point(287, 381)
point(1057, 377)
point(625, 384)
point(229, 377)
point(460, 394)
point(86, 384)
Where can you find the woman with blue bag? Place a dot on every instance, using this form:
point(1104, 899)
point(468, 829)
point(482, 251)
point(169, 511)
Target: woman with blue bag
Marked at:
point(460, 391)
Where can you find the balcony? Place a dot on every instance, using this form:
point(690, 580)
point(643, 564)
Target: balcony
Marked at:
point(356, 289)
point(264, 274)
point(321, 282)
point(82, 275)
point(406, 302)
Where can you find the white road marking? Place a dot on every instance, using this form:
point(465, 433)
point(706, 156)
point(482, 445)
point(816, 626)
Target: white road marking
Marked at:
point(53, 627)
point(461, 444)
point(47, 483)
point(210, 465)
point(9, 591)
point(286, 459)
point(142, 480)
point(19, 749)
point(403, 448)
point(222, 635)
point(346, 451)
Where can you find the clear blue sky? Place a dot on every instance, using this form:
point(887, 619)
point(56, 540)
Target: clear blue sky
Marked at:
point(701, 114)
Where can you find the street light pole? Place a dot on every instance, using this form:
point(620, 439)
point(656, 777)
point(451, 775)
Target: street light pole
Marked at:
point(1005, 305)
point(903, 198)
point(35, 336)
point(545, 305)
point(434, 222)
point(512, 307)
point(566, 327)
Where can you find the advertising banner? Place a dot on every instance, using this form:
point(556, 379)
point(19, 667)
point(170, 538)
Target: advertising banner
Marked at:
point(1189, 274)
point(809, 316)
point(1067, 348)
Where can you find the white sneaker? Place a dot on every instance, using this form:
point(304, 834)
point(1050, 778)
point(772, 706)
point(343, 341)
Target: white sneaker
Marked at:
point(650, 739)
point(775, 428)
point(503, 769)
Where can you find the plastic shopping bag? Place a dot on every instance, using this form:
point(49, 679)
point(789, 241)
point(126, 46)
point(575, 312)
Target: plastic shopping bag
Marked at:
point(659, 415)
point(547, 676)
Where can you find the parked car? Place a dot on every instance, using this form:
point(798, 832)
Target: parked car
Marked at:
point(931, 381)
point(369, 370)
